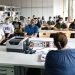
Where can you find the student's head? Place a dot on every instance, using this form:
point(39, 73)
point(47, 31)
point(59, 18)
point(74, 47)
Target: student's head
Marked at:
point(32, 21)
point(7, 20)
point(60, 40)
point(28, 18)
point(60, 20)
point(50, 17)
point(33, 16)
point(36, 20)
point(54, 17)
point(43, 18)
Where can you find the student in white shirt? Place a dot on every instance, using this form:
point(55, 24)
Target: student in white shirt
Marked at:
point(8, 28)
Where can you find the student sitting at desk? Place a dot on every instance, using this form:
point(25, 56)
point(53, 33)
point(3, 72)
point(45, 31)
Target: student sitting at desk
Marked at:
point(60, 25)
point(61, 61)
point(18, 29)
point(72, 25)
point(8, 29)
point(49, 22)
point(31, 30)
point(72, 28)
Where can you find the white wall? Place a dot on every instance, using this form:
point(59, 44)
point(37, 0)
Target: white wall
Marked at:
point(58, 7)
point(37, 7)
point(73, 9)
point(61, 8)
point(65, 8)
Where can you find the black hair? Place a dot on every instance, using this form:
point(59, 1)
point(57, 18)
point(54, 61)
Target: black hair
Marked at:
point(7, 18)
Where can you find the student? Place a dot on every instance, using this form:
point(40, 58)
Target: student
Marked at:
point(39, 20)
point(49, 22)
point(72, 25)
point(8, 29)
point(37, 23)
point(19, 29)
point(60, 25)
point(43, 20)
point(28, 20)
point(72, 28)
point(61, 61)
point(31, 30)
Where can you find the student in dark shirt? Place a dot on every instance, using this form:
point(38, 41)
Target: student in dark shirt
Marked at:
point(60, 25)
point(72, 25)
point(31, 30)
point(61, 61)
point(49, 22)
point(37, 23)
point(72, 28)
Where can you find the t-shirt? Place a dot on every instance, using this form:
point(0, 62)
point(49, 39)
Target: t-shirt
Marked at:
point(60, 62)
point(31, 30)
point(8, 28)
point(72, 25)
point(63, 25)
point(1, 33)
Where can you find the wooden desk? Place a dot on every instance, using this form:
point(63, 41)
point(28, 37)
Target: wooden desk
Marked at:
point(44, 35)
point(67, 32)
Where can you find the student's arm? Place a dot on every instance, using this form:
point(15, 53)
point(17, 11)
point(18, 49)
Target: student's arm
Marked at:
point(25, 31)
point(36, 31)
point(56, 27)
point(12, 29)
point(3, 36)
point(71, 27)
point(34, 35)
point(25, 34)
point(65, 28)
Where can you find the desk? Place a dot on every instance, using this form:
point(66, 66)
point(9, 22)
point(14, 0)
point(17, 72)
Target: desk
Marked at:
point(67, 32)
point(27, 60)
point(20, 59)
point(12, 60)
